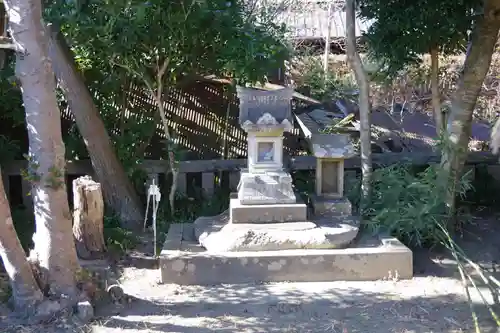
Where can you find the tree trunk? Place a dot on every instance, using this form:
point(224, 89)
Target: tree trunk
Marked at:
point(25, 290)
point(459, 121)
point(54, 249)
point(118, 190)
point(436, 97)
point(88, 216)
point(326, 56)
point(364, 101)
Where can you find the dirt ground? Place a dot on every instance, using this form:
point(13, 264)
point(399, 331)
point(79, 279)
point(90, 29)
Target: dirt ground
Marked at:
point(434, 301)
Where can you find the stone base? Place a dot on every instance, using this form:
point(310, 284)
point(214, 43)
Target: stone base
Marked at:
point(276, 213)
point(218, 234)
point(336, 206)
point(266, 189)
point(184, 261)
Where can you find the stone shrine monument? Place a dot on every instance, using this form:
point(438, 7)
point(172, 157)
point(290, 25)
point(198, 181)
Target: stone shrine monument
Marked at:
point(267, 233)
point(266, 214)
point(265, 116)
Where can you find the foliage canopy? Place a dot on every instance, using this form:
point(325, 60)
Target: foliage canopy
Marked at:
point(213, 37)
point(403, 30)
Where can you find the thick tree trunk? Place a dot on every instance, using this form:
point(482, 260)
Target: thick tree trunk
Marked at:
point(54, 249)
point(118, 190)
point(88, 218)
point(436, 97)
point(364, 100)
point(25, 290)
point(459, 121)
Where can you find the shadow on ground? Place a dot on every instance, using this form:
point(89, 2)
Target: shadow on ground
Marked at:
point(316, 307)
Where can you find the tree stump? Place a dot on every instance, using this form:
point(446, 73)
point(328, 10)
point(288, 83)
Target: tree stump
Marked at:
point(88, 218)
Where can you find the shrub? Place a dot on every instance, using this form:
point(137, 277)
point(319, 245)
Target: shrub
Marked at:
point(407, 203)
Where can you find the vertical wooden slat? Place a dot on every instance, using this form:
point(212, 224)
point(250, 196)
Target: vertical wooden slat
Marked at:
point(218, 180)
point(181, 183)
point(318, 176)
point(27, 196)
point(349, 178)
point(234, 179)
point(208, 183)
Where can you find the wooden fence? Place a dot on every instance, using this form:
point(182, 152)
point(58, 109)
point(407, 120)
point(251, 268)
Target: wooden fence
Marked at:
point(210, 174)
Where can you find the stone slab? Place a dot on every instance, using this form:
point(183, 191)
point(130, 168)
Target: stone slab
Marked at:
point(276, 213)
point(217, 234)
point(265, 189)
point(373, 258)
point(337, 206)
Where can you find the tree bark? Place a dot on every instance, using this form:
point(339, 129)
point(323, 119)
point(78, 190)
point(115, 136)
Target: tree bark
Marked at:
point(54, 249)
point(459, 121)
point(88, 218)
point(364, 101)
point(25, 290)
point(118, 190)
point(436, 97)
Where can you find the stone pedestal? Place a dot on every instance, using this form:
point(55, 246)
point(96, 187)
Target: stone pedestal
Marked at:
point(267, 188)
point(267, 213)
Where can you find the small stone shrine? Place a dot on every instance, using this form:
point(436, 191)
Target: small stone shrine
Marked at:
point(266, 214)
point(330, 151)
point(265, 116)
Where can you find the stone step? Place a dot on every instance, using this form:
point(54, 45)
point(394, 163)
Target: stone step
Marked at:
point(335, 206)
point(274, 213)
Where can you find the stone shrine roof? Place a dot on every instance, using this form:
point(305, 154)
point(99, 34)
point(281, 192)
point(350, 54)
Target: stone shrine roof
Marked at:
point(262, 110)
point(332, 146)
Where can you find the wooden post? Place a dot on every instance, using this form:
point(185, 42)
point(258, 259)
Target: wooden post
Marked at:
point(26, 188)
point(181, 183)
point(327, 40)
point(208, 183)
point(234, 180)
point(88, 215)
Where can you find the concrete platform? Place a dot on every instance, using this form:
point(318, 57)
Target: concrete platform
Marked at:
point(184, 261)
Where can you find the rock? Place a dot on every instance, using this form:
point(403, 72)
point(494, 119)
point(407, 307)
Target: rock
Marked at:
point(84, 311)
point(116, 293)
point(48, 308)
point(216, 235)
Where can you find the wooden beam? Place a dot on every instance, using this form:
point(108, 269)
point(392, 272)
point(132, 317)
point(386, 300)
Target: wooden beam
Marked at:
point(295, 163)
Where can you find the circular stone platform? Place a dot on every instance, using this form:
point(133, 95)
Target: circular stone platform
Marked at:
point(218, 234)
